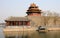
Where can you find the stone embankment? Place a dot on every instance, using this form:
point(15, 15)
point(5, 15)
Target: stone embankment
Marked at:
point(17, 31)
point(54, 29)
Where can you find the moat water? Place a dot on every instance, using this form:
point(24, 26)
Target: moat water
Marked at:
point(34, 34)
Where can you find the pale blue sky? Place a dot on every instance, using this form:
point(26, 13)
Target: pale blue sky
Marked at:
point(19, 7)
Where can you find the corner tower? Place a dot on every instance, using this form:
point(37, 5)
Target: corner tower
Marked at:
point(33, 10)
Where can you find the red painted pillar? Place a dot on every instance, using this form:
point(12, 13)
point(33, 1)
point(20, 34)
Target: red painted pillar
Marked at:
point(14, 22)
point(19, 23)
point(28, 23)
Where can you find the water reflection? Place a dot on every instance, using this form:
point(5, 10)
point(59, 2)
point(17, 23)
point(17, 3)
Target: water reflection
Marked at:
point(53, 34)
point(26, 34)
point(50, 34)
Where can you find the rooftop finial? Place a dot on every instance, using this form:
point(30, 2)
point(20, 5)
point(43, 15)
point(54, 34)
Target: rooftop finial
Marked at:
point(33, 5)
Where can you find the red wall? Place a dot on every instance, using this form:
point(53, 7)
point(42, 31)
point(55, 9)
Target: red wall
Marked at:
point(34, 14)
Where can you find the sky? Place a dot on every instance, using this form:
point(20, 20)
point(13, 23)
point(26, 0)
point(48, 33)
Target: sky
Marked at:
point(19, 7)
